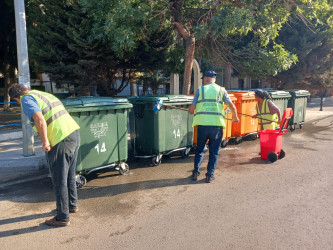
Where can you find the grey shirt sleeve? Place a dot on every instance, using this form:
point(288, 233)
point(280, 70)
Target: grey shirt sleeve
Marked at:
point(226, 98)
point(195, 98)
point(273, 108)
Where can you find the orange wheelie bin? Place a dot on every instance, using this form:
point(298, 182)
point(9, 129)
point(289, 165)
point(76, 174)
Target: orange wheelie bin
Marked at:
point(228, 123)
point(246, 108)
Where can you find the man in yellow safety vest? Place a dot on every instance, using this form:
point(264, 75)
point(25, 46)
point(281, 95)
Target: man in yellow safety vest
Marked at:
point(268, 113)
point(60, 137)
point(207, 107)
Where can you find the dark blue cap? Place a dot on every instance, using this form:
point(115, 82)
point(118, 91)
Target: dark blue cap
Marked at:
point(210, 73)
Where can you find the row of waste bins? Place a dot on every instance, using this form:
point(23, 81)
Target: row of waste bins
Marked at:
point(154, 133)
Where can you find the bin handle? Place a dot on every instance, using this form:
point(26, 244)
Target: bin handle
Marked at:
point(157, 108)
point(286, 120)
point(159, 104)
point(256, 117)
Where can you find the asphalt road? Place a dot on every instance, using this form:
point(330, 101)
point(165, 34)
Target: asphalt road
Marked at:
point(252, 204)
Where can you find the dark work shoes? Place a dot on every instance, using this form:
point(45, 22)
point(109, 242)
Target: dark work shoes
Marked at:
point(73, 210)
point(56, 223)
point(195, 176)
point(209, 179)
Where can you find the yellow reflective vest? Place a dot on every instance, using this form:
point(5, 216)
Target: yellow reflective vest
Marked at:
point(209, 109)
point(265, 119)
point(59, 123)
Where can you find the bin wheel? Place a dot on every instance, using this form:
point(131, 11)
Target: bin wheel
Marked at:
point(123, 168)
point(238, 140)
point(186, 152)
point(80, 181)
point(253, 137)
point(224, 143)
point(272, 157)
point(282, 154)
point(156, 160)
point(292, 128)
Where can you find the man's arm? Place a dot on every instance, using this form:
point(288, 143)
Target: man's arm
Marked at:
point(274, 110)
point(191, 109)
point(233, 110)
point(194, 103)
point(41, 126)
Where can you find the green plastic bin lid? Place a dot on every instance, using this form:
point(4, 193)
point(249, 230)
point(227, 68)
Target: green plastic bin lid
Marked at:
point(279, 94)
point(163, 98)
point(299, 92)
point(91, 101)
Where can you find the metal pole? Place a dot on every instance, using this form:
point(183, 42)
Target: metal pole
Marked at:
point(23, 72)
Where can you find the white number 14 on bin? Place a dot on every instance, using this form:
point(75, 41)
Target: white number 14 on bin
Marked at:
point(176, 133)
point(103, 149)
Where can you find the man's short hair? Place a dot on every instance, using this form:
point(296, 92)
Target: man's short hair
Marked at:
point(16, 90)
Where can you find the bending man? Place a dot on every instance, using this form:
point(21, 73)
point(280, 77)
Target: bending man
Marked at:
point(60, 137)
point(268, 113)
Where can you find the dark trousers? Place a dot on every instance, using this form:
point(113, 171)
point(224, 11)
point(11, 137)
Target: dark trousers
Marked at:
point(214, 135)
point(62, 161)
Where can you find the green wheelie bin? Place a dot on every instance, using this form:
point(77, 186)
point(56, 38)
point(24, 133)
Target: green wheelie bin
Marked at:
point(103, 131)
point(298, 102)
point(280, 99)
point(158, 130)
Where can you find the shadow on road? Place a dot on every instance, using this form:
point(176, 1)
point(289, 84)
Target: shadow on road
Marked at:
point(26, 230)
point(33, 193)
point(112, 190)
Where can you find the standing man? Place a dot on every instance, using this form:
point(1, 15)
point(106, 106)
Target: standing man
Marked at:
point(60, 136)
point(207, 107)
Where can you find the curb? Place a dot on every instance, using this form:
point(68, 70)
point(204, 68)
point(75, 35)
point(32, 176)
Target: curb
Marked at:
point(11, 136)
point(23, 164)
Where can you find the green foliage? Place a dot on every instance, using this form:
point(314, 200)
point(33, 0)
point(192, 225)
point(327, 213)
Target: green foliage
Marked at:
point(8, 59)
point(126, 24)
point(246, 36)
point(63, 46)
point(264, 62)
point(174, 62)
point(140, 35)
point(313, 44)
point(215, 24)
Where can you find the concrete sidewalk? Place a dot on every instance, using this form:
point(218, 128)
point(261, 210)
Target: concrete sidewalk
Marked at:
point(13, 165)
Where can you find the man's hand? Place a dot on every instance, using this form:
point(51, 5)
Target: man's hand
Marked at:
point(191, 109)
point(41, 126)
point(47, 147)
point(235, 119)
point(233, 110)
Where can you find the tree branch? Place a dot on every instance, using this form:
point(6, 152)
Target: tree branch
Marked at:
point(182, 30)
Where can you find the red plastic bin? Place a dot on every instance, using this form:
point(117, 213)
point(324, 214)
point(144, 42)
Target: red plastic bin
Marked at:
point(271, 140)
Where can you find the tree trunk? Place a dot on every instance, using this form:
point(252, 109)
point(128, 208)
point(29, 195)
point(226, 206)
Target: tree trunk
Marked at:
point(7, 86)
point(227, 75)
point(133, 89)
point(321, 103)
point(189, 43)
point(190, 49)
